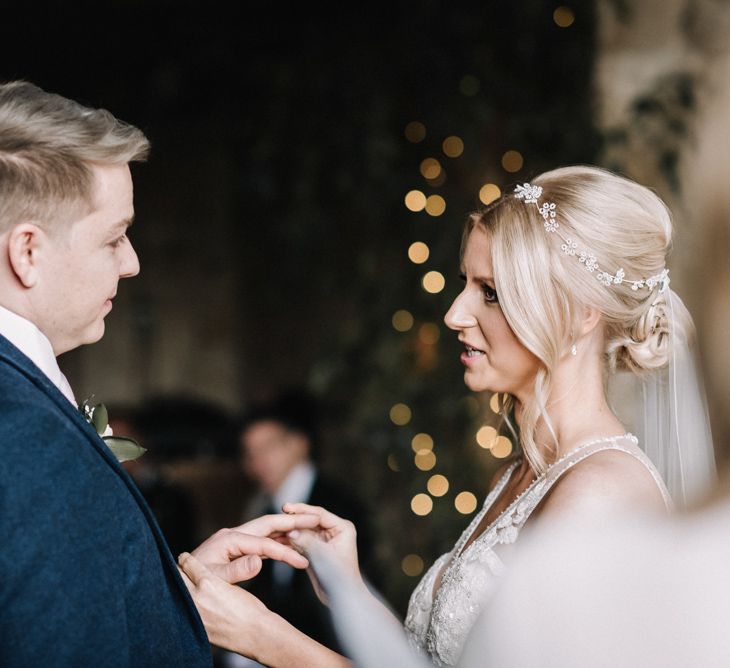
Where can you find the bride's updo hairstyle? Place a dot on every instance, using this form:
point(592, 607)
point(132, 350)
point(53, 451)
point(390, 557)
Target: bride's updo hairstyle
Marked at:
point(543, 291)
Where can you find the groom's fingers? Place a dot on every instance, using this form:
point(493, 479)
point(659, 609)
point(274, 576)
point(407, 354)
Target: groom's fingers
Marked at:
point(236, 556)
point(185, 578)
point(239, 570)
point(192, 568)
point(241, 544)
point(327, 520)
point(273, 524)
point(193, 571)
point(228, 544)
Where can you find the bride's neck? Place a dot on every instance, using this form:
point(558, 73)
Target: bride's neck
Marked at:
point(577, 407)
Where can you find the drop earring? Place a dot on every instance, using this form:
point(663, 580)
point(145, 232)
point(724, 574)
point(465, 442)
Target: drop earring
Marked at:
point(574, 350)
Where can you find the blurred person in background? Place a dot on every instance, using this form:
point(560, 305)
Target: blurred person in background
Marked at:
point(278, 449)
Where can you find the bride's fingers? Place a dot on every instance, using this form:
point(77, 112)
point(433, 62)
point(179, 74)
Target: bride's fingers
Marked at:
point(303, 540)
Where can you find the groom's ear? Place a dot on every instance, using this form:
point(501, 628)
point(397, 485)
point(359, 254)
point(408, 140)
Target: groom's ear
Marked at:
point(24, 244)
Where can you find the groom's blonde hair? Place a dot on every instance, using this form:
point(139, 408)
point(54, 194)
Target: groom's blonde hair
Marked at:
point(48, 144)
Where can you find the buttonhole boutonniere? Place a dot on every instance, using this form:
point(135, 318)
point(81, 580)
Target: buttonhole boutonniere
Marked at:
point(97, 416)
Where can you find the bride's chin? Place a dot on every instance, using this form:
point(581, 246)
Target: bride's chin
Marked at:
point(475, 384)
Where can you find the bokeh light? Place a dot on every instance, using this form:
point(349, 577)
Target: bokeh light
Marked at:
point(425, 460)
point(453, 146)
point(469, 85)
point(422, 504)
point(415, 200)
point(439, 180)
point(412, 565)
point(429, 333)
point(564, 17)
point(415, 132)
point(512, 161)
point(393, 463)
point(418, 252)
point(502, 447)
point(433, 282)
point(402, 320)
point(400, 414)
point(486, 436)
point(430, 168)
point(495, 404)
point(421, 442)
point(465, 503)
point(435, 205)
point(488, 193)
point(437, 485)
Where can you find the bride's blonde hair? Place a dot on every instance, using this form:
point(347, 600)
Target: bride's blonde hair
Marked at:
point(543, 292)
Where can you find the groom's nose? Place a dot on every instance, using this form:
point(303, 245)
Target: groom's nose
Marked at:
point(130, 262)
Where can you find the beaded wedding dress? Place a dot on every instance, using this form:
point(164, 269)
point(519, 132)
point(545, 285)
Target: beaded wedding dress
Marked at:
point(439, 625)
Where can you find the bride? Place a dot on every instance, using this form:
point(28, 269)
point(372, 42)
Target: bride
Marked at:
point(565, 286)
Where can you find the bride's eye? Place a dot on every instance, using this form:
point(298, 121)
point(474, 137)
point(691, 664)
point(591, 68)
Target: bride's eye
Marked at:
point(490, 294)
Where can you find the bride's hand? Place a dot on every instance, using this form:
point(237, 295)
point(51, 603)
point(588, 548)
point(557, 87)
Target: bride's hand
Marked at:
point(339, 535)
point(232, 617)
point(235, 555)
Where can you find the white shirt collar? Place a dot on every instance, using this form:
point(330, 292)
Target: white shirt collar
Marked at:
point(297, 486)
point(27, 338)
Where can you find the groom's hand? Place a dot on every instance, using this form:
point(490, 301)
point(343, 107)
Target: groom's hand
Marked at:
point(235, 554)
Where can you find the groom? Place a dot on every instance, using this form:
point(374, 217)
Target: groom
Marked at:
point(86, 578)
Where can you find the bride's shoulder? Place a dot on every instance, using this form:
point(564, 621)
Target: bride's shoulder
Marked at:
point(605, 482)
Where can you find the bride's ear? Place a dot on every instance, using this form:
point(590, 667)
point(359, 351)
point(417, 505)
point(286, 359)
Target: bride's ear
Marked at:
point(591, 319)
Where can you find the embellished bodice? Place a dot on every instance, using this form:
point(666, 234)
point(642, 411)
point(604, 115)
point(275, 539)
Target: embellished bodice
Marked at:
point(440, 624)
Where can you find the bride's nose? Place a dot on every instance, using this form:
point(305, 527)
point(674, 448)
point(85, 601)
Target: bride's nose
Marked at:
point(459, 316)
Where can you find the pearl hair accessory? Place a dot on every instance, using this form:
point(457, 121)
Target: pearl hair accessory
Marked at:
point(531, 195)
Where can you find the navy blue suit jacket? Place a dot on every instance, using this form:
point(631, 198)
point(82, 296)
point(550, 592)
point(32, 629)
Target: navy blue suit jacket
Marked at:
point(86, 578)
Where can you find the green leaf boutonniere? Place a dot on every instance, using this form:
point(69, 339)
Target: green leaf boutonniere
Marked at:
point(122, 448)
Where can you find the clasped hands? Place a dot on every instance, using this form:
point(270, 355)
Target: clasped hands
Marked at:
point(233, 617)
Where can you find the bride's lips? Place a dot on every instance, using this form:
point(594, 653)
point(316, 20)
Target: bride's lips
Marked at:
point(471, 355)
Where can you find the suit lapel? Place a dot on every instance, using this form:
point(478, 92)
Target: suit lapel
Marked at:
point(10, 355)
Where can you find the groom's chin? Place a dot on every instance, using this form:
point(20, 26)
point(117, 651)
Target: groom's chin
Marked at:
point(95, 332)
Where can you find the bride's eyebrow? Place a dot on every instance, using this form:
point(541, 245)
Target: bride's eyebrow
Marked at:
point(485, 279)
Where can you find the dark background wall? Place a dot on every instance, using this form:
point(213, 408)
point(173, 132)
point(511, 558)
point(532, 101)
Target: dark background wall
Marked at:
point(271, 225)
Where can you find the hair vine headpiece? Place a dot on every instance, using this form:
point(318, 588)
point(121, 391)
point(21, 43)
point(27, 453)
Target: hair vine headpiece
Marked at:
point(531, 195)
